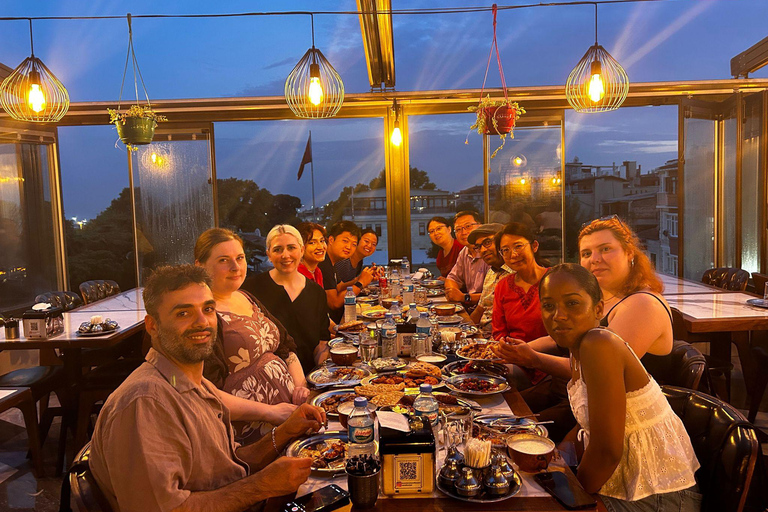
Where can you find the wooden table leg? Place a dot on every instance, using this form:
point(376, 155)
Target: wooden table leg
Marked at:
point(29, 411)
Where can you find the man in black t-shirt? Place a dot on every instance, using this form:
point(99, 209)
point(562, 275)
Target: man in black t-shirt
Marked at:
point(342, 241)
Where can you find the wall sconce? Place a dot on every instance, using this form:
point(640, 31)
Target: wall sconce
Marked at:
point(397, 137)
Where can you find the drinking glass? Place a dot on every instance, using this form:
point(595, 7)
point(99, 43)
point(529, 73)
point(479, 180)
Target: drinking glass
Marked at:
point(420, 295)
point(367, 350)
point(765, 292)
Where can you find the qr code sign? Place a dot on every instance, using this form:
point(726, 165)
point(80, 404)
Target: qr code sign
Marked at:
point(408, 470)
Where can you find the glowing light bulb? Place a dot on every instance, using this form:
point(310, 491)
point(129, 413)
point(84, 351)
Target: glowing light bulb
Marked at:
point(397, 137)
point(154, 158)
point(518, 161)
point(315, 90)
point(596, 88)
point(522, 181)
point(36, 98)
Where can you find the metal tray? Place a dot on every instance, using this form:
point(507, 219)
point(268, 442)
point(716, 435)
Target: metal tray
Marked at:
point(760, 303)
point(395, 364)
point(318, 399)
point(368, 379)
point(511, 424)
point(294, 449)
point(449, 320)
point(452, 384)
point(432, 283)
point(514, 488)
point(483, 367)
point(97, 334)
point(477, 342)
point(315, 377)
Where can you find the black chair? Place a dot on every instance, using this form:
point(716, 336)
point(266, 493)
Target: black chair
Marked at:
point(758, 281)
point(734, 279)
point(81, 484)
point(683, 366)
point(757, 389)
point(65, 300)
point(725, 443)
point(98, 289)
point(21, 398)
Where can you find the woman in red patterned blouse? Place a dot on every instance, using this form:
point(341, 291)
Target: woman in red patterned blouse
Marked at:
point(516, 310)
point(315, 247)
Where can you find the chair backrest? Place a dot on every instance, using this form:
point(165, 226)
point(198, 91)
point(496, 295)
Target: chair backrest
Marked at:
point(98, 289)
point(759, 281)
point(88, 496)
point(725, 443)
point(734, 279)
point(66, 300)
point(683, 366)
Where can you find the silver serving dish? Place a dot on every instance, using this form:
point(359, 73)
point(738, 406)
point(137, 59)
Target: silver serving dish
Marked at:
point(385, 364)
point(317, 400)
point(488, 368)
point(432, 283)
point(499, 382)
point(401, 373)
point(449, 320)
point(511, 424)
point(515, 484)
point(327, 376)
point(760, 303)
point(336, 466)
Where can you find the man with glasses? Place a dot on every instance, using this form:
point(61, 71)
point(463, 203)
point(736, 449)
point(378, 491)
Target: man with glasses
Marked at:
point(342, 242)
point(465, 282)
point(482, 241)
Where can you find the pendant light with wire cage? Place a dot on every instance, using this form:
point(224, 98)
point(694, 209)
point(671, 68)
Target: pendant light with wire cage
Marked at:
point(32, 92)
point(598, 83)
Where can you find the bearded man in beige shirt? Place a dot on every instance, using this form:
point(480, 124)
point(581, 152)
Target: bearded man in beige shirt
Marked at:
point(163, 440)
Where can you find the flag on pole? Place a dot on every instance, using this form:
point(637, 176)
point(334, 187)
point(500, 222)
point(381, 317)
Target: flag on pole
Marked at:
point(307, 158)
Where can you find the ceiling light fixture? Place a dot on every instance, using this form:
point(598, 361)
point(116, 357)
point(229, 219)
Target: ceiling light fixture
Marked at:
point(32, 92)
point(598, 83)
point(313, 88)
point(397, 137)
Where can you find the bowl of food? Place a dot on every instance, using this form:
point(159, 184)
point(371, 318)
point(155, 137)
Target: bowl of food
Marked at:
point(345, 409)
point(531, 452)
point(388, 303)
point(444, 309)
point(344, 354)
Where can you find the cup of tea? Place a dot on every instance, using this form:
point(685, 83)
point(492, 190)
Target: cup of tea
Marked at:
point(531, 452)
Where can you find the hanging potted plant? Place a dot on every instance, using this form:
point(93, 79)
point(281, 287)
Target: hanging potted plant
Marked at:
point(495, 117)
point(136, 126)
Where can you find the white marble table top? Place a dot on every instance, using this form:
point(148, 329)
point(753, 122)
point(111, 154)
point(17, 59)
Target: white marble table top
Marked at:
point(130, 300)
point(676, 286)
point(715, 306)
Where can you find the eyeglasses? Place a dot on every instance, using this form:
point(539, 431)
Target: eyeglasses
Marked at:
point(515, 249)
point(487, 244)
point(466, 227)
point(435, 230)
point(603, 219)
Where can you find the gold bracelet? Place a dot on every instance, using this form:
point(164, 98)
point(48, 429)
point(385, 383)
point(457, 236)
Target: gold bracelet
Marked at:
point(274, 444)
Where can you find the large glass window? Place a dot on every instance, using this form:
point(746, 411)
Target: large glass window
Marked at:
point(625, 162)
point(257, 166)
point(174, 198)
point(446, 176)
point(525, 186)
point(27, 253)
point(97, 206)
point(751, 185)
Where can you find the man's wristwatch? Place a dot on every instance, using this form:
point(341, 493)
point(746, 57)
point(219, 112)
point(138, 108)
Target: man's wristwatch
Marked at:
point(467, 298)
point(359, 285)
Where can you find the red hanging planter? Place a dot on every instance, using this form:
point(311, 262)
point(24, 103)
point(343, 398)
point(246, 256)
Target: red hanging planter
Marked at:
point(495, 117)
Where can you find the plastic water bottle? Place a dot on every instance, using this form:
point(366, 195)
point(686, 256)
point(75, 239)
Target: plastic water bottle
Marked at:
point(407, 289)
point(388, 337)
point(360, 430)
point(425, 405)
point(394, 282)
point(413, 314)
point(424, 326)
point(350, 308)
point(406, 266)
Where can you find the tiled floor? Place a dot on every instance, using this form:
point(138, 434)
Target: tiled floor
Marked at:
point(21, 491)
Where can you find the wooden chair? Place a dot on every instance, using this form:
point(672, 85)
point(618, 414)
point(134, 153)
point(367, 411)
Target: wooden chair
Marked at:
point(22, 399)
point(726, 446)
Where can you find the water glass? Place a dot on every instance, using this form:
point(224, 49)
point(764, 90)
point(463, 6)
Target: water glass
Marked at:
point(388, 347)
point(420, 295)
point(420, 345)
point(368, 350)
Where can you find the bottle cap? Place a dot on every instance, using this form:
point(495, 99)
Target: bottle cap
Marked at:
point(424, 314)
point(349, 289)
point(413, 304)
point(361, 401)
point(424, 388)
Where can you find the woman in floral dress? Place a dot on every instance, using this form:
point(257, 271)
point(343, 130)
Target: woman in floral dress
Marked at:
point(254, 357)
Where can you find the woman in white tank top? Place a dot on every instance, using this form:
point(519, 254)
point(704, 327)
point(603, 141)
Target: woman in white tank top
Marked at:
point(638, 455)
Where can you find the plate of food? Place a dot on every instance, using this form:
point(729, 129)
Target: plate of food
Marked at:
point(337, 376)
point(432, 283)
point(477, 384)
point(353, 327)
point(327, 450)
point(479, 350)
point(411, 380)
point(383, 364)
point(449, 320)
point(97, 326)
point(329, 401)
point(464, 367)
point(447, 403)
point(374, 313)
